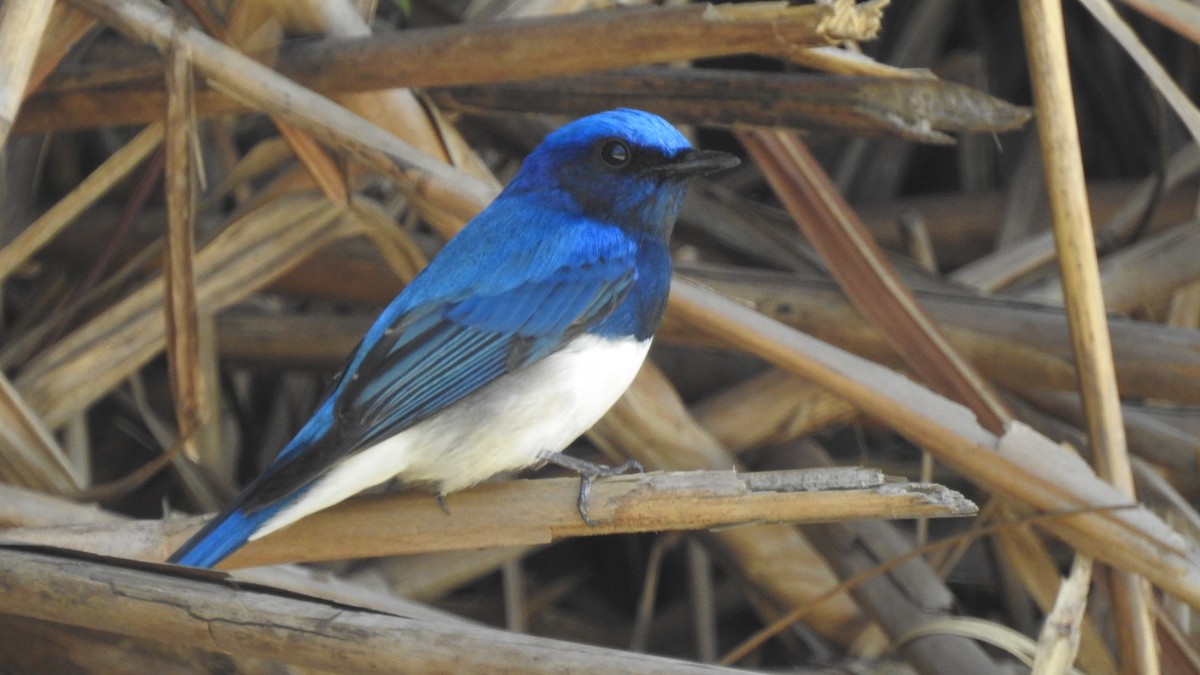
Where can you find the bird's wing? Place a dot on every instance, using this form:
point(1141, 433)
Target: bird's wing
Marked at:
point(432, 357)
point(440, 353)
point(445, 353)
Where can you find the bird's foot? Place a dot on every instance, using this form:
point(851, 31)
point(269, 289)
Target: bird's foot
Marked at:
point(441, 499)
point(588, 473)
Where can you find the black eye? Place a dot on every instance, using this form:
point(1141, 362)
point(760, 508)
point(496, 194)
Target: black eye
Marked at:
point(615, 154)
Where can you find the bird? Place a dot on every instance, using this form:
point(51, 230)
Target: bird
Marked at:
point(513, 341)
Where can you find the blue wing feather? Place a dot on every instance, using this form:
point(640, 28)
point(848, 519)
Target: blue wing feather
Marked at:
point(477, 340)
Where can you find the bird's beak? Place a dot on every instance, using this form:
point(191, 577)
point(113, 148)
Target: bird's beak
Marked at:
point(696, 163)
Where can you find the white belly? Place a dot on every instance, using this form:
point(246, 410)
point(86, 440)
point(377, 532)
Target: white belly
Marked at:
point(508, 425)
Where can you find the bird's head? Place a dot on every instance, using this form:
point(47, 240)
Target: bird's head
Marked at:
point(626, 167)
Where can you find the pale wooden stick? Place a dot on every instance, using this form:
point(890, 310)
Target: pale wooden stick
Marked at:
point(1045, 45)
point(527, 512)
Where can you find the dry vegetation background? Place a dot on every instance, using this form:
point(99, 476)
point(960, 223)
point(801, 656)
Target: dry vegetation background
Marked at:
point(204, 202)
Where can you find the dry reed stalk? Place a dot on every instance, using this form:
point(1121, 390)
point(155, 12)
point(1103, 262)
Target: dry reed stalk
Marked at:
point(1045, 44)
point(179, 294)
point(24, 507)
point(525, 513)
point(395, 110)
point(322, 168)
point(262, 159)
point(875, 288)
point(1142, 274)
point(529, 47)
point(1038, 572)
point(1181, 17)
point(241, 77)
point(105, 351)
point(651, 424)
point(532, 47)
point(203, 609)
point(29, 454)
point(42, 647)
point(325, 173)
point(920, 110)
point(22, 24)
point(1021, 464)
point(426, 577)
point(963, 226)
point(64, 29)
point(1179, 101)
point(861, 269)
point(902, 598)
point(840, 61)
point(1001, 268)
point(1175, 450)
point(96, 185)
point(1061, 633)
point(403, 256)
point(20, 507)
point(770, 409)
point(871, 169)
point(1017, 345)
point(753, 414)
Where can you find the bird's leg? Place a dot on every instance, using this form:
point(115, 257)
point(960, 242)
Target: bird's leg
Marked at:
point(588, 473)
point(441, 499)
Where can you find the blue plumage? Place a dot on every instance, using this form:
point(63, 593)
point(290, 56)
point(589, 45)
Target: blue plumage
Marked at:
point(514, 340)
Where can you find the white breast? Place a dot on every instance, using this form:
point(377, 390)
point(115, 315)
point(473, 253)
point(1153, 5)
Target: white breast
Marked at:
point(510, 424)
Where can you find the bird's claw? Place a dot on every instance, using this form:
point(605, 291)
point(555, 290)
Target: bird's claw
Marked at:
point(588, 473)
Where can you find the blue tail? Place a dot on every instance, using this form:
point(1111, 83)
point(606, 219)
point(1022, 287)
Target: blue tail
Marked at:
point(221, 536)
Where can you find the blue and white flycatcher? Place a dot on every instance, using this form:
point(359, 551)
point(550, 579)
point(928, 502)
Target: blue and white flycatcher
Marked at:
point(517, 337)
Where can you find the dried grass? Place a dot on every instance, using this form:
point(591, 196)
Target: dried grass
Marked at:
point(159, 359)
